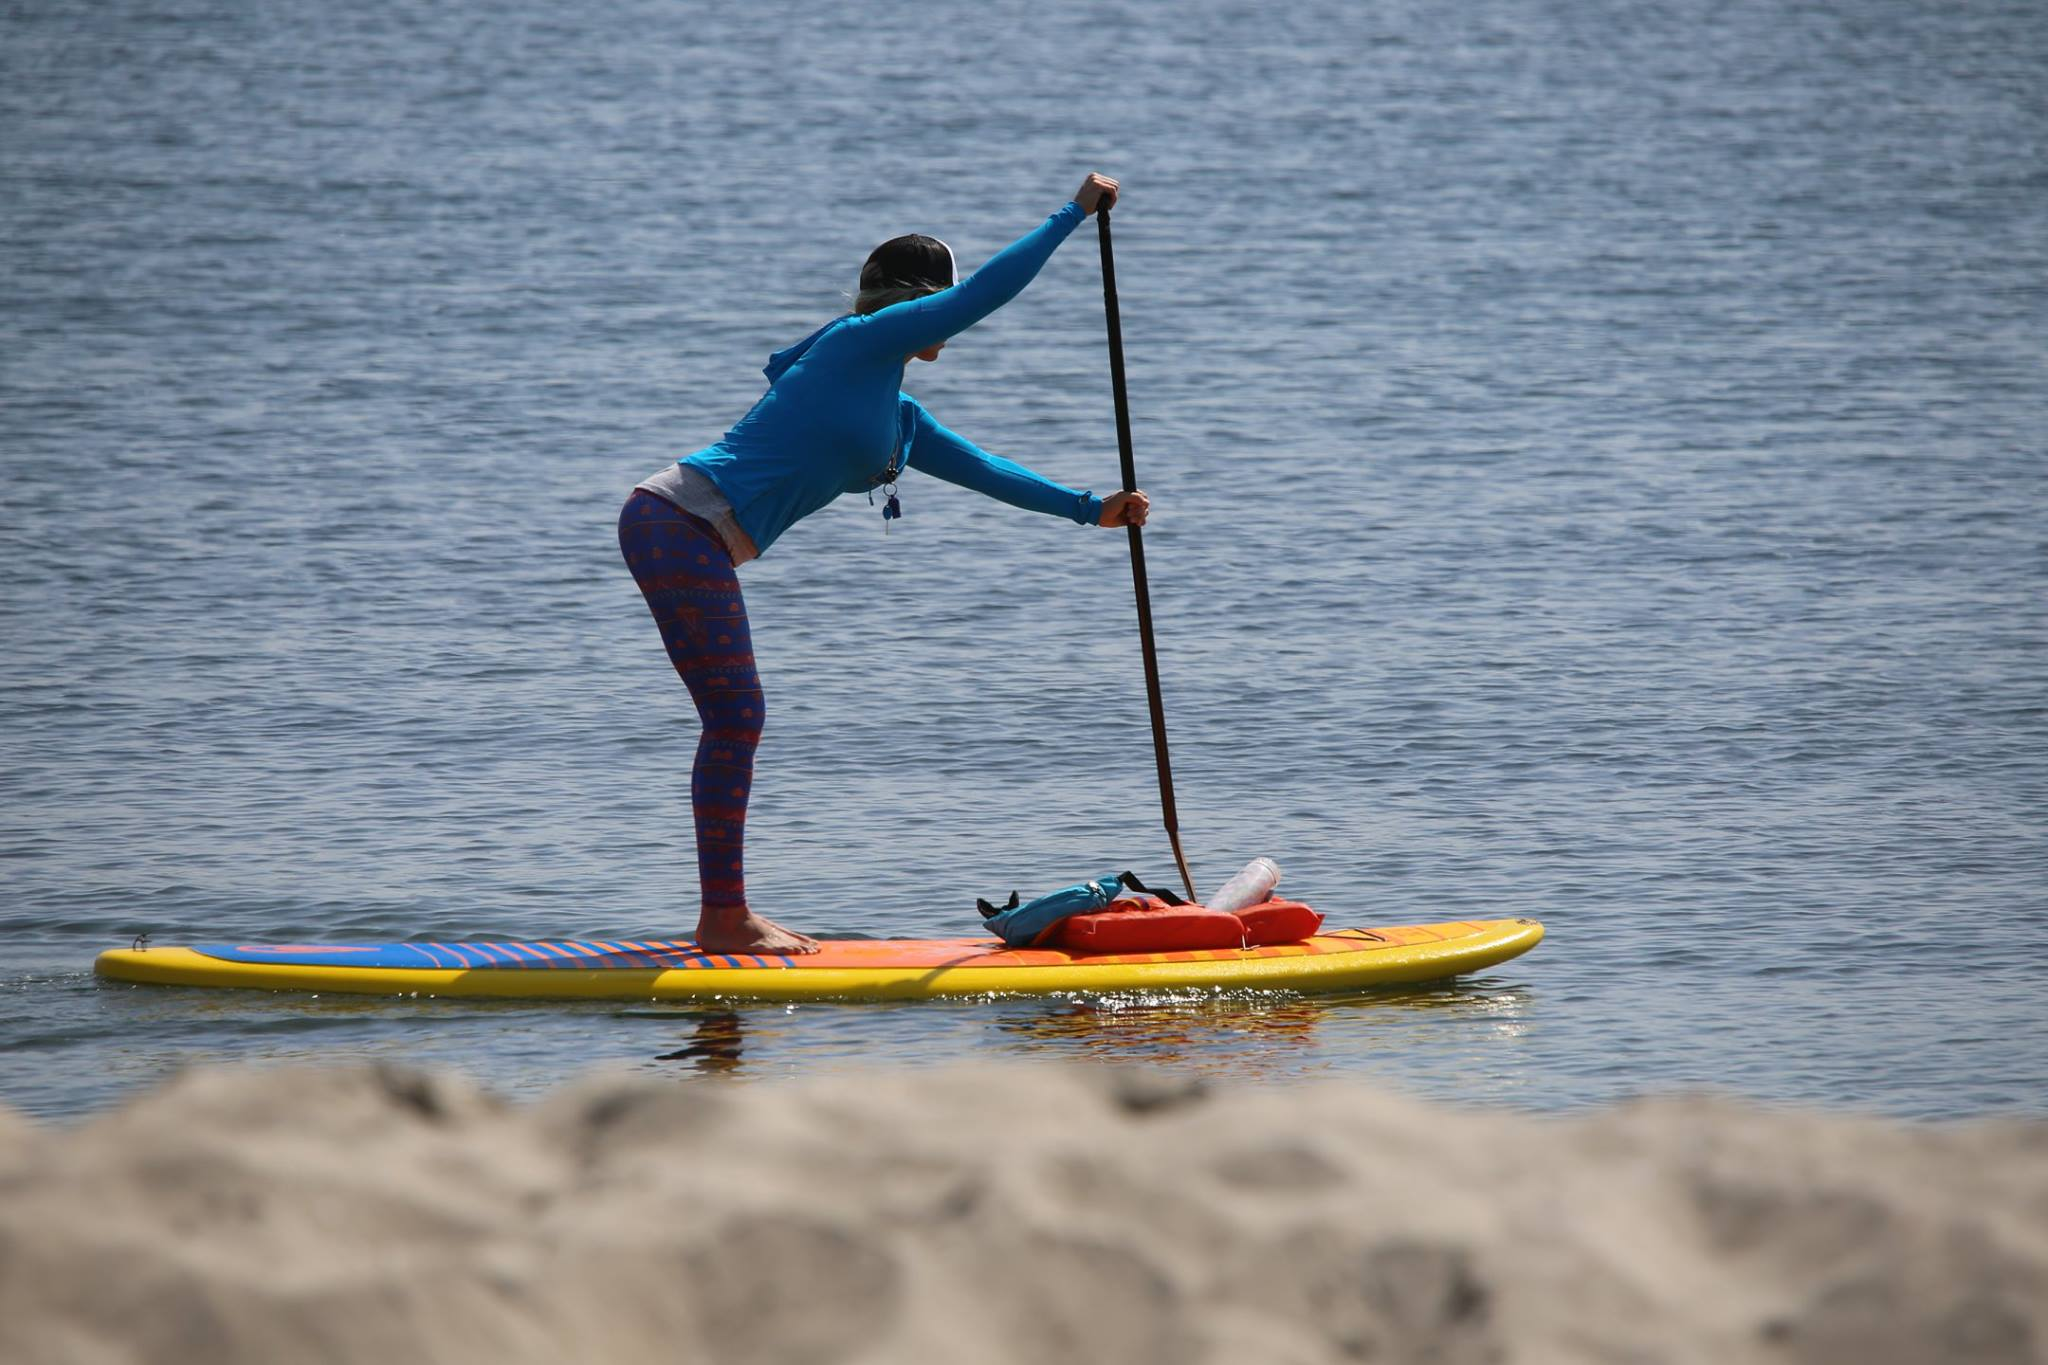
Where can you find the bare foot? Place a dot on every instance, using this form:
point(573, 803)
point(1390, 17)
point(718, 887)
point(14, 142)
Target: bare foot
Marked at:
point(743, 931)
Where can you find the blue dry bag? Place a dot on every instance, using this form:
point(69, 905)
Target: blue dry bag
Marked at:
point(1020, 926)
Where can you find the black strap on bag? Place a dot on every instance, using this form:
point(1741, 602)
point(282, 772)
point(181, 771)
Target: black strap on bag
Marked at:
point(1130, 879)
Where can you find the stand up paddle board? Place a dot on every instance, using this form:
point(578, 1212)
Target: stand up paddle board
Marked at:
point(862, 969)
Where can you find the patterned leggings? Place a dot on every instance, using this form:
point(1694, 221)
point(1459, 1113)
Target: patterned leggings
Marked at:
point(686, 575)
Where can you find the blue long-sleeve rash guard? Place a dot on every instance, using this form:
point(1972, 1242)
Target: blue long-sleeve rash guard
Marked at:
point(835, 418)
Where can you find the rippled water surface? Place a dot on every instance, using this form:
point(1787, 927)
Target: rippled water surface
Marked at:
point(1599, 460)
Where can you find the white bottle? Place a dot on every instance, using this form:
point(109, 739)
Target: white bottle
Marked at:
point(1254, 884)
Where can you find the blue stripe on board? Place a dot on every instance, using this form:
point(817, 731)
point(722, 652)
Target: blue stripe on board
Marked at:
point(558, 955)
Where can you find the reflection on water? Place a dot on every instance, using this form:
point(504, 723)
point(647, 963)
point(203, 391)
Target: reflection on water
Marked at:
point(1239, 1035)
point(1168, 1028)
point(1251, 1033)
point(715, 1049)
point(1482, 1030)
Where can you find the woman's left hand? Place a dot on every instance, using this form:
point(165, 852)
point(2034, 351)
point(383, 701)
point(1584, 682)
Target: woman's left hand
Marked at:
point(1126, 509)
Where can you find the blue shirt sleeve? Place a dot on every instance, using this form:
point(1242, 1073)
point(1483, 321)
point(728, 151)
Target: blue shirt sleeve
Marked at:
point(907, 328)
point(952, 457)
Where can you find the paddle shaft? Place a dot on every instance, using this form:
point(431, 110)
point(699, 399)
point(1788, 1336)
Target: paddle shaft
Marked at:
point(1130, 471)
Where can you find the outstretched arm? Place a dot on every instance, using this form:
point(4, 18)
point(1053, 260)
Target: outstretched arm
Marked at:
point(904, 329)
point(950, 456)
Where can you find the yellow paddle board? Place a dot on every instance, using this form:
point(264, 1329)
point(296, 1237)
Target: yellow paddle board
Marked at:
point(861, 969)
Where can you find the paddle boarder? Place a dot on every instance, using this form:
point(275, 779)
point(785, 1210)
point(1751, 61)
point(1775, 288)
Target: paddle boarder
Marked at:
point(834, 420)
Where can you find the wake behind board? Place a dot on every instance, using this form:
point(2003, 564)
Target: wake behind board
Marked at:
point(869, 969)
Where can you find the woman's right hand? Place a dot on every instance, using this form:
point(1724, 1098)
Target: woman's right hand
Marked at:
point(1093, 191)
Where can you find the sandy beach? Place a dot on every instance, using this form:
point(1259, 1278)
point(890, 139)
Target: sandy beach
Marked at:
point(1003, 1214)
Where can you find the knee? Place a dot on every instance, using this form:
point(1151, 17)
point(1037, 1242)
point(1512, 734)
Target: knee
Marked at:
point(735, 714)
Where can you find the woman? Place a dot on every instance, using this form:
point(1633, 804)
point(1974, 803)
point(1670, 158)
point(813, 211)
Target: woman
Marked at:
point(834, 420)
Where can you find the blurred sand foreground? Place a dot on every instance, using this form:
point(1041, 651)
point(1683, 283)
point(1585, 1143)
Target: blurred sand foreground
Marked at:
point(1002, 1214)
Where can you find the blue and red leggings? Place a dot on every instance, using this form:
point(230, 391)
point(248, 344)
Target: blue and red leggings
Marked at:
point(686, 575)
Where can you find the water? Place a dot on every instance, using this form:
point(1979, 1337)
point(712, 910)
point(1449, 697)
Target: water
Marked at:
point(1599, 472)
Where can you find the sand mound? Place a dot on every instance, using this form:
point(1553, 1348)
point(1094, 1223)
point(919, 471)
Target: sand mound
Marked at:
point(379, 1215)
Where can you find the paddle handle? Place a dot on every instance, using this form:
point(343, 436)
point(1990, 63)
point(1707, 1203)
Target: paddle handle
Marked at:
point(1130, 473)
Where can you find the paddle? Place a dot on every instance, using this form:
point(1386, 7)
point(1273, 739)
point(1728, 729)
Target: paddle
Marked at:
point(1151, 651)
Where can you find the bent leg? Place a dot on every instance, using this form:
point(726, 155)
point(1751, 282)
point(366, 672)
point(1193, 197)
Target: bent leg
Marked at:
point(687, 577)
